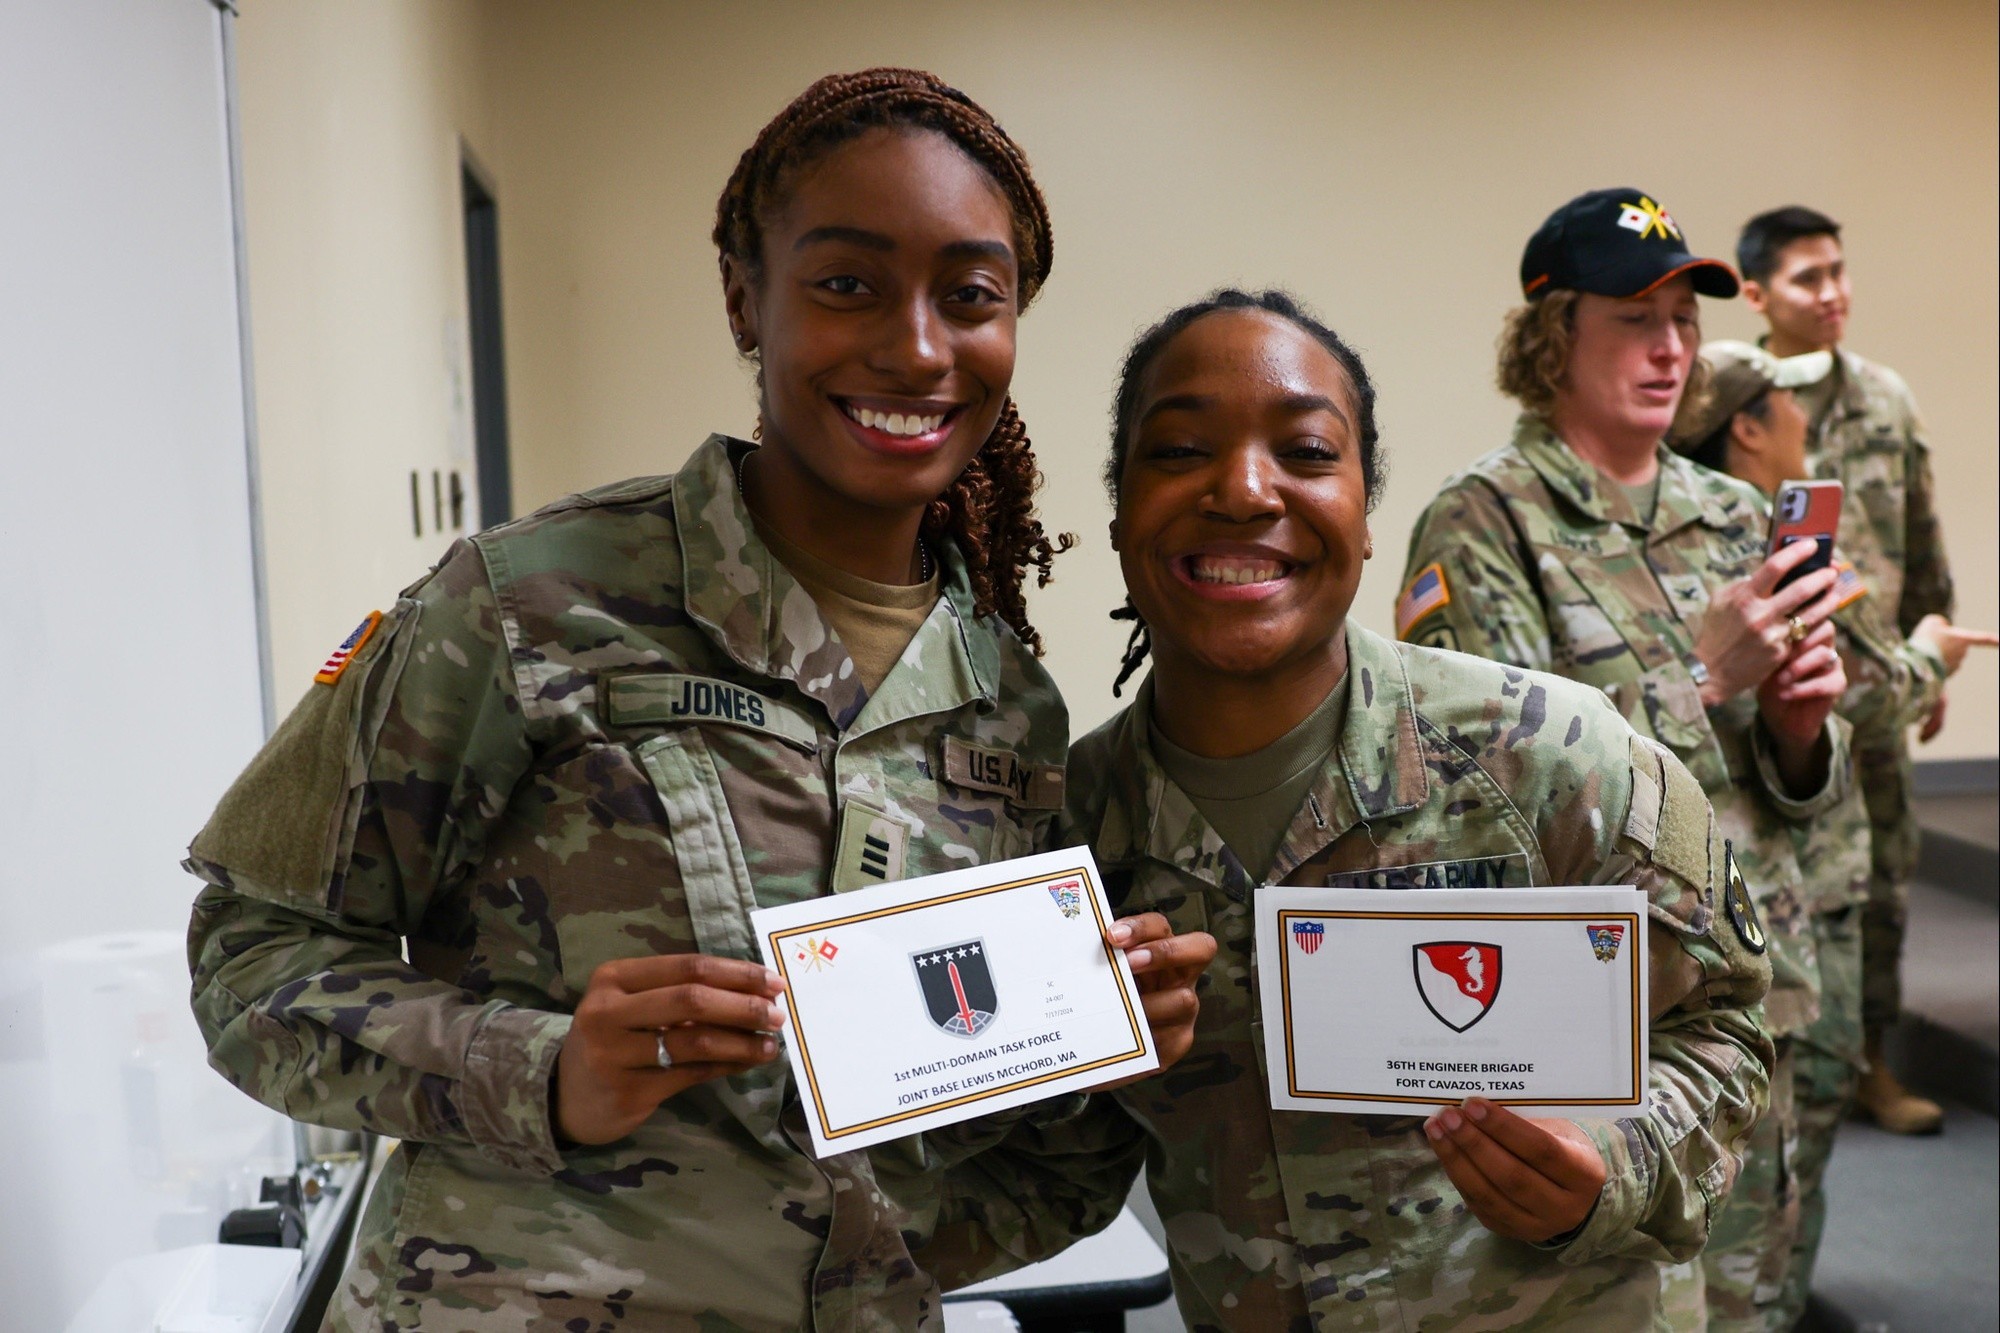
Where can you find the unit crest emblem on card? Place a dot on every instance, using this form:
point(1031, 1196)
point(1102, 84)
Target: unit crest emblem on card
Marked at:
point(958, 987)
point(1604, 940)
point(1457, 980)
point(1309, 935)
point(815, 953)
point(1068, 894)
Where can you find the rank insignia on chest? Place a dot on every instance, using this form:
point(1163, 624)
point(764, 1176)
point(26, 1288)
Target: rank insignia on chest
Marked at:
point(1737, 902)
point(1427, 592)
point(336, 664)
point(1604, 940)
point(957, 987)
point(1068, 895)
point(1458, 980)
point(1309, 935)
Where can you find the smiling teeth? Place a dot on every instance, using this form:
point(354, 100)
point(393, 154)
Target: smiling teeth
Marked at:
point(896, 423)
point(1210, 569)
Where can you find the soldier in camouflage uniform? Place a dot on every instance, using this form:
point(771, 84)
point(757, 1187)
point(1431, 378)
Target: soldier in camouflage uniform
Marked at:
point(1538, 556)
point(1866, 433)
point(1244, 462)
point(557, 775)
point(1751, 426)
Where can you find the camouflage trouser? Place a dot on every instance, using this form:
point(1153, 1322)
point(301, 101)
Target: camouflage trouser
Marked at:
point(1757, 1269)
point(1884, 775)
point(1826, 1068)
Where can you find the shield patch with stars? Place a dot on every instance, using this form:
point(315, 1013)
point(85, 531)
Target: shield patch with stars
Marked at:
point(1458, 980)
point(958, 987)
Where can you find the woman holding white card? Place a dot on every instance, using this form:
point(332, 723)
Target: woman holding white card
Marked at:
point(1275, 742)
point(488, 889)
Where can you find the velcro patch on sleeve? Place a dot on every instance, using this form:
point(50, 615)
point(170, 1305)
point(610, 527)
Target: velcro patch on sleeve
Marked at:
point(1642, 817)
point(337, 663)
point(1685, 842)
point(1428, 592)
point(1004, 773)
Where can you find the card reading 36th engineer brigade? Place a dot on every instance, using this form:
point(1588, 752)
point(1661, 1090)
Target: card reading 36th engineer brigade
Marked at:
point(922, 1003)
point(1381, 1001)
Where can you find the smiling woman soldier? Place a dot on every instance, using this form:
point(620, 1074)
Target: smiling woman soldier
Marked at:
point(565, 766)
point(1277, 742)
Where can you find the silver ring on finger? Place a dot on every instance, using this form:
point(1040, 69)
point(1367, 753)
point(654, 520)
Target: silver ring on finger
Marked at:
point(1795, 630)
point(662, 1057)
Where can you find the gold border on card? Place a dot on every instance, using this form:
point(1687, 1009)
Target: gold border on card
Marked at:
point(1287, 915)
point(827, 1131)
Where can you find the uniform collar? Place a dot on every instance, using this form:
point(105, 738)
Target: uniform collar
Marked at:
point(1843, 395)
point(1684, 496)
point(760, 616)
point(1379, 772)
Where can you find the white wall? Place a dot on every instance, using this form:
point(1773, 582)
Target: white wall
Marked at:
point(354, 116)
point(131, 672)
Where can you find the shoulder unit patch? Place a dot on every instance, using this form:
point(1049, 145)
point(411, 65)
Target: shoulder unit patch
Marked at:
point(1847, 587)
point(337, 663)
point(1742, 911)
point(1427, 592)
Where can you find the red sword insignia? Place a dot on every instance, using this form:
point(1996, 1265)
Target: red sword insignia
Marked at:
point(958, 989)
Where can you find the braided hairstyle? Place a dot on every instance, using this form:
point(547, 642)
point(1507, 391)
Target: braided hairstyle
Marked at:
point(990, 509)
point(1131, 379)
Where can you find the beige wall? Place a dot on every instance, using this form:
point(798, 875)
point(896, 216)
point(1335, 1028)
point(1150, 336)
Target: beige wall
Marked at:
point(1384, 162)
point(352, 116)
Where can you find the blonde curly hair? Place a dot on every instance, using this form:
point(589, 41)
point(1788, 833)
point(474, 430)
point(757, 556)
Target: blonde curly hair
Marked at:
point(1534, 348)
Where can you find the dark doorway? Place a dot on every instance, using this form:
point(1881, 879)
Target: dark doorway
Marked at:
point(489, 370)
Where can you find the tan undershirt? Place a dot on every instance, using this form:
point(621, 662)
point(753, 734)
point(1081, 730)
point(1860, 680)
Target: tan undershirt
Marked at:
point(1645, 498)
point(876, 621)
point(1251, 800)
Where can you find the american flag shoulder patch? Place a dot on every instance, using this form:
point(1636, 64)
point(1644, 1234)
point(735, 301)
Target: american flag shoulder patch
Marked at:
point(1427, 592)
point(352, 644)
point(1847, 585)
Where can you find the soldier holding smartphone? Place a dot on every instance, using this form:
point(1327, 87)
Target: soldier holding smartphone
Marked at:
point(1752, 426)
point(1865, 432)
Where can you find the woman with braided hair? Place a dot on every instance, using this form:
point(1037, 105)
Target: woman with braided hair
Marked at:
point(1275, 741)
point(488, 889)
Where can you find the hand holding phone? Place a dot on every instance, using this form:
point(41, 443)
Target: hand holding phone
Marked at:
point(1805, 511)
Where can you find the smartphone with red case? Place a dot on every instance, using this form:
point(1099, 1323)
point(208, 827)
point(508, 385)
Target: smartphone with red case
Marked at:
point(1806, 511)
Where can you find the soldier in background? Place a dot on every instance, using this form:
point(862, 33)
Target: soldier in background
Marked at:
point(1865, 432)
point(561, 770)
point(1750, 425)
point(1586, 547)
point(1277, 742)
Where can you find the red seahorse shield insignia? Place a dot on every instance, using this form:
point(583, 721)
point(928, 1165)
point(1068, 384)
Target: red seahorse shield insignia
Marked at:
point(1458, 980)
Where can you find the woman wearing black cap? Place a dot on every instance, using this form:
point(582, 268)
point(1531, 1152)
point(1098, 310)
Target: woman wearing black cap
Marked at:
point(1587, 548)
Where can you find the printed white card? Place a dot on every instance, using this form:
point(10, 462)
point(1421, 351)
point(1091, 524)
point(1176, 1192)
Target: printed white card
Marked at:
point(1397, 1002)
point(922, 1003)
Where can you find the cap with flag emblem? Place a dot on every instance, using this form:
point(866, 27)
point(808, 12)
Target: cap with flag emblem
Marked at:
point(1615, 243)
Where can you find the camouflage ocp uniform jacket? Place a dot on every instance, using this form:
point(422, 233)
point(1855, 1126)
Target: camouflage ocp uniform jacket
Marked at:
point(1868, 436)
point(1545, 565)
point(607, 730)
point(1891, 684)
point(1448, 771)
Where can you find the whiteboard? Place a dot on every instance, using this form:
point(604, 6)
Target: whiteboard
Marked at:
point(130, 677)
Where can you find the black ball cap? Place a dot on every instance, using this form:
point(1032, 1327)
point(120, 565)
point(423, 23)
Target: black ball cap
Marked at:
point(1616, 243)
